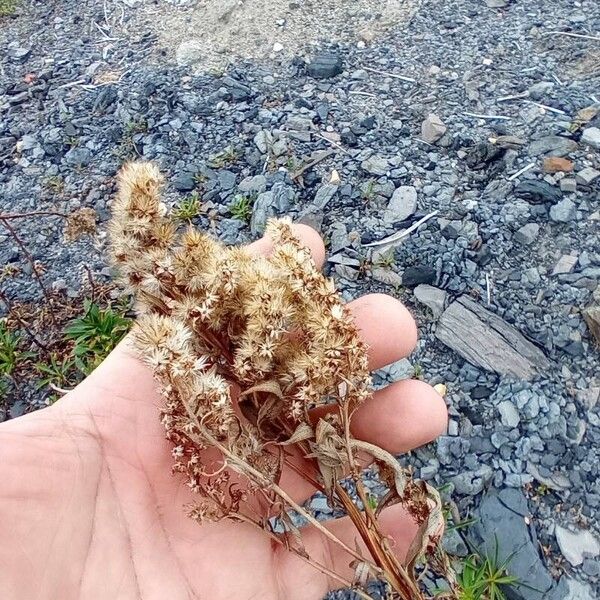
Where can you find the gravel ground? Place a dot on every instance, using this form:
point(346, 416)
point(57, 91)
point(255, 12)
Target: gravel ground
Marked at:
point(399, 120)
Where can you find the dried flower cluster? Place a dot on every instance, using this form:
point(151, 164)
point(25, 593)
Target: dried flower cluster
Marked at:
point(244, 348)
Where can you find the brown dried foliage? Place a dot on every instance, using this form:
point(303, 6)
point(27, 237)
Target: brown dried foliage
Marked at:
point(244, 347)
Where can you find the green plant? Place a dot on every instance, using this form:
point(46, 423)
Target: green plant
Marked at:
point(188, 208)
point(9, 350)
point(226, 157)
point(386, 259)
point(95, 335)
point(10, 354)
point(241, 208)
point(8, 7)
point(368, 191)
point(57, 371)
point(135, 126)
point(55, 184)
point(372, 501)
point(127, 147)
point(418, 371)
point(483, 578)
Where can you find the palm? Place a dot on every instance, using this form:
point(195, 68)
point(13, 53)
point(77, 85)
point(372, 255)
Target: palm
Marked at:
point(89, 508)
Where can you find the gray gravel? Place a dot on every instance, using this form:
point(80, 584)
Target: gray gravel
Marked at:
point(522, 243)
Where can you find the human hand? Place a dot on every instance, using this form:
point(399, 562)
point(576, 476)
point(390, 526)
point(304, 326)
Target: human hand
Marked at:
point(89, 508)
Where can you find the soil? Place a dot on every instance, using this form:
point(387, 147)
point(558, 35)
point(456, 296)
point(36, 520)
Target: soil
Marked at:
point(222, 31)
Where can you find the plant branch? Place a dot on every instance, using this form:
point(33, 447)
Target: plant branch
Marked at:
point(33, 213)
point(247, 470)
point(21, 245)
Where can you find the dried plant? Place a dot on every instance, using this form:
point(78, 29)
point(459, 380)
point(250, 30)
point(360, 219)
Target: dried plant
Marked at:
point(244, 348)
point(79, 223)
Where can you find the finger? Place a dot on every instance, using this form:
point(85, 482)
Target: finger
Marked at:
point(398, 418)
point(385, 326)
point(395, 522)
point(308, 237)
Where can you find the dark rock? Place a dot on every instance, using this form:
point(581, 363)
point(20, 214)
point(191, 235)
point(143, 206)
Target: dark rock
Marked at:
point(482, 155)
point(501, 531)
point(414, 276)
point(277, 201)
point(78, 157)
point(349, 138)
point(105, 98)
point(538, 192)
point(552, 145)
point(18, 53)
point(325, 65)
point(184, 182)
point(479, 392)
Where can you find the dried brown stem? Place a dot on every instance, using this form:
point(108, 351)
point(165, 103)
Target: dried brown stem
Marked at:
point(247, 470)
point(24, 324)
point(33, 213)
point(27, 254)
point(369, 527)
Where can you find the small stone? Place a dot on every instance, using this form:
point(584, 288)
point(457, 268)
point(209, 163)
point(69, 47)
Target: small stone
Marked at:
point(568, 184)
point(527, 234)
point(472, 483)
point(78, 157)
point(325, 65)
point(184, 182)
point(552, 145)
point(414, 276)
point(324, 195)
point(538, 90)
point(576, 590)
point(18, 409)
point(263, 140)
point(375, 165)
point(591, 137)
point(509, 414)
point(586, 176)
point(432, 129)
point(190, 52)
point(564, 212)
point(18, 53)
point(591, 567)
point(433, 298)
point(496, 3)
point(253, 185)
point(277, 47)
point(592, 318)
point(276, 201)
point(347, 272)
point(575, 546)
point(565, 264)
point(386, 276)
point(556, 164)
point(430, 470)
point(402, 205)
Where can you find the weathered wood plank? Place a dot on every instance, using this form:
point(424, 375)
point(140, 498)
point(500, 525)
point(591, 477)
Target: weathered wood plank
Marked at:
point(487, 341)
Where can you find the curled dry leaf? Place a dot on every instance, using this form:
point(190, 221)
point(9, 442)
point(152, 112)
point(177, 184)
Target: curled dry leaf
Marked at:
point(222, 328)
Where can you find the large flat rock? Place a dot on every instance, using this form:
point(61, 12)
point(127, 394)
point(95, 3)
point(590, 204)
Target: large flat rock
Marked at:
point(503, 530)
point(487, 341)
